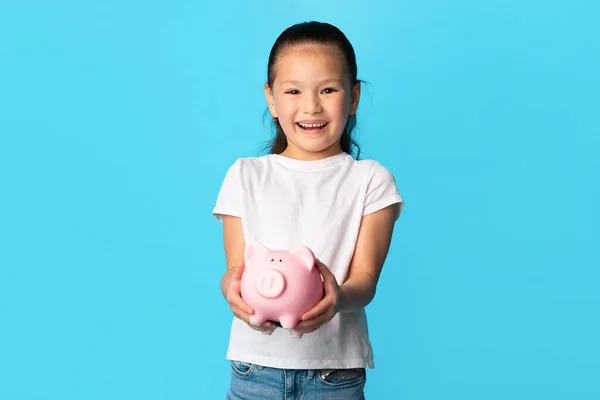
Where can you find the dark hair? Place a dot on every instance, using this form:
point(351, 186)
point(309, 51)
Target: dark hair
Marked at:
point(318, 33)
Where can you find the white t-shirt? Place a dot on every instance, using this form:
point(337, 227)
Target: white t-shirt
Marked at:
point(286, 203)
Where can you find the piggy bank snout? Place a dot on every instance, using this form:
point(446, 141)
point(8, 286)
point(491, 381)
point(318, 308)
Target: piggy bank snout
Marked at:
point(270, 283)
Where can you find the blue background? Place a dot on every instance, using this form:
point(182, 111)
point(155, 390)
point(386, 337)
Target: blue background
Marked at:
point(119, 119)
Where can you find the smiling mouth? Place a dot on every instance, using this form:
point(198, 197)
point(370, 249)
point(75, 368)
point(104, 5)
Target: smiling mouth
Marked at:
point(311, 127)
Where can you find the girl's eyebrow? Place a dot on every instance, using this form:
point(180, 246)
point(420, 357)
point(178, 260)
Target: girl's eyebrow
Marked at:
point(322, 82)
point(330, 80)
point(289, 81)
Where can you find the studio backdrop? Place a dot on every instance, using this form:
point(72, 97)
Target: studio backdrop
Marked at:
point(119, 119)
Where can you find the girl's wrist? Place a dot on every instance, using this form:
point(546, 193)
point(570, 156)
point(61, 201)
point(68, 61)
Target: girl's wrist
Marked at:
point(354, 296)
point(225, 282)
point(344, 301)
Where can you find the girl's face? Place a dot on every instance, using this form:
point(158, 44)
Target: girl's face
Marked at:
point(312, 97)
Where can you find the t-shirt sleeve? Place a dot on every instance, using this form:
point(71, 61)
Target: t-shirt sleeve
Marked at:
point(229, 199)
point(381, 190)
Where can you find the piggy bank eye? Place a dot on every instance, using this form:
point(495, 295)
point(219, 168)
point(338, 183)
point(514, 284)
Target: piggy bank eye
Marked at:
point(279, 260)
point(272, 259)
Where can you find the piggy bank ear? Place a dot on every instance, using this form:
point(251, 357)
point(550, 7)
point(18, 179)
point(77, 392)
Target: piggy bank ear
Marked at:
point(253, 248)
point(306, 256)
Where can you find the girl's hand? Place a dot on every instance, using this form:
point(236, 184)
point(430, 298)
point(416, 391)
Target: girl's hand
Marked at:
point(231, 284)
point(325, 309)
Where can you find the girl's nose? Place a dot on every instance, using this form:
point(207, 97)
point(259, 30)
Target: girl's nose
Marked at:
point(312, 105)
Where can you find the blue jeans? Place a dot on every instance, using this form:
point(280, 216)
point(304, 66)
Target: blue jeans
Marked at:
point(255, 382)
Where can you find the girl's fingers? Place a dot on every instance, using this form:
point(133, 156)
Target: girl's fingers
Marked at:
point(306, 328)
point(320, 308)
point(260, 328)
point(266, 327)
point(244, 317)
point(269, 325)
point(312, 325)
point(240, 314)
point(323, 269)
point(329, 281)
point(316, 321)
point(325, 303)
point(236, 300)
point(234, 296)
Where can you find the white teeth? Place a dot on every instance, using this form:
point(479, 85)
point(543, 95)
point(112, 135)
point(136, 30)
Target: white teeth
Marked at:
point(312, 125)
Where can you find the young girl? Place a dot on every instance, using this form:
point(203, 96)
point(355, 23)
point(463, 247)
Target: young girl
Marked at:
point(309, 191)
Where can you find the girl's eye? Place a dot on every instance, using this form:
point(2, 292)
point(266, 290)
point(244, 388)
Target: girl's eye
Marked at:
point(329, 90)
point(293, 91)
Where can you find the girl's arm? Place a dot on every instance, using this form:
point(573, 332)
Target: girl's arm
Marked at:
point(233, 240)
point(373, 243)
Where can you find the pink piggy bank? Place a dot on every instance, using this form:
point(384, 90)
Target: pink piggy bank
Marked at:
point(280, 285)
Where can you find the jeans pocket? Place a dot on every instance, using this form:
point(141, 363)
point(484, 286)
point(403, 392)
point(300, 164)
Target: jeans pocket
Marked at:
point(343, 378)
point(242, 369)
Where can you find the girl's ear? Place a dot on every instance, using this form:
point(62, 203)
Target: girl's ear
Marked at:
point(355, 98)
point(270, 100)
point(253, 248)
